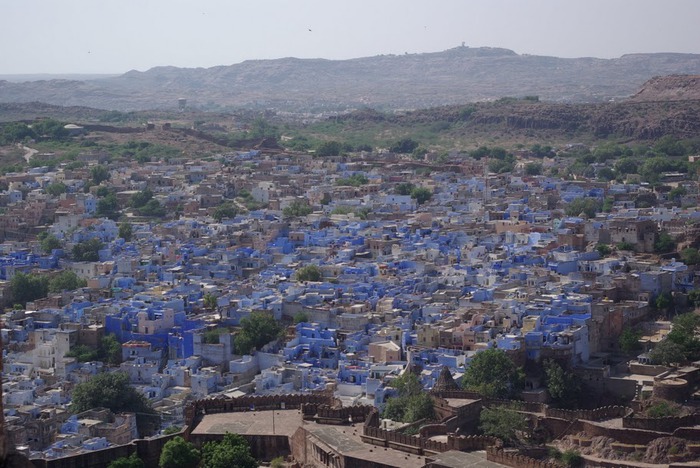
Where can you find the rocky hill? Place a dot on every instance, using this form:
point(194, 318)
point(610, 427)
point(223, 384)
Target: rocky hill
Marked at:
point(670, 88)
point(412, 81)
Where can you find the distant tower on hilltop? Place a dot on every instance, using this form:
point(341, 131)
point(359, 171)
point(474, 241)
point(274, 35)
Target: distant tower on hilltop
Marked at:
point(181, 104)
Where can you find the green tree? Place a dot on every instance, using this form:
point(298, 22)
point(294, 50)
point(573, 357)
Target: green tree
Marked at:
point(667, 352)
point(533, 169)
point(49, 242)
point(606, 174)
point(694, 297)
point(629, 340)
point(102, 191)
point(83, 353)
point(603, 249)
point(690, 256)
point(625, 246)
point(171, 430)
point(140, 198)
point(539, 151)
point(28, 287)
point(209, 301)
point(645, 200)
point(178, 453)
point(355, 180)
point(225, 210)
point(608, 204)
point(492, 373)
point(99, 174)
point(297, 208)
point(87, 251)
point(108, 206)
point(564, 387)
point(421, 194)
point(15, 132)
point(664, 243)
point(66, 281)
point(256, 331)
point(261, 128)
point(663, 302)
point(50, 129)
point(152, 209)
point(670, 146)
point(329, 148)
point(404, 188)
point(56, 189)
point(500, 166)
point(232, 452)
point(412, 403)
point(301, 317)
point(503, 422)
point(112, 390)
point(308, 273)
point(407, 384)
point(419, 153)
point(110, 350)
point(626, 166)
point(363, 213)
point(663, 409)
point(587, 206)
point(126, 231)
point(132, 461)
point(404, 146)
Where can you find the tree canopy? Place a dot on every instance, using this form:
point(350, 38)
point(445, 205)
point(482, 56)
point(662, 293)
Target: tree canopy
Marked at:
point(297, 208)
point(178, 453)
point(421, 194)
point(140, 198)
point(112, 390)
point(405, 145)
point(681, 344)
point(564, 387)
point(412, 404)
point(66, 281)
point(152, 209)
point(492, 373)
point(256, 331)
point(329, 148)
point(404, 188)
point(27, 287)
point(99, 174)
point(308, 273)
point(56, 189)
point(664, 243)
point(108, 206)
point(232, 452)
point(126, 231)
point(502, 422)
point(132, 461)
point(49, 242)
point(87, 251)
point(587, 206)
point(225, 210)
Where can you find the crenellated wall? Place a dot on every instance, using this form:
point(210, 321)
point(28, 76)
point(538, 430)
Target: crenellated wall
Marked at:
point(598, 414)
point(668, 424)
point(498, 455)
point(146, 449)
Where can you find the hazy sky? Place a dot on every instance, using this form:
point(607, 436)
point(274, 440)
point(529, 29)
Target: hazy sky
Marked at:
point(115, 36)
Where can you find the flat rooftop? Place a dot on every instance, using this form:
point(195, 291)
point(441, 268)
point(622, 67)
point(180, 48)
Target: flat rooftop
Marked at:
point(457, 459)
point(286, 423)
point(343, 439)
